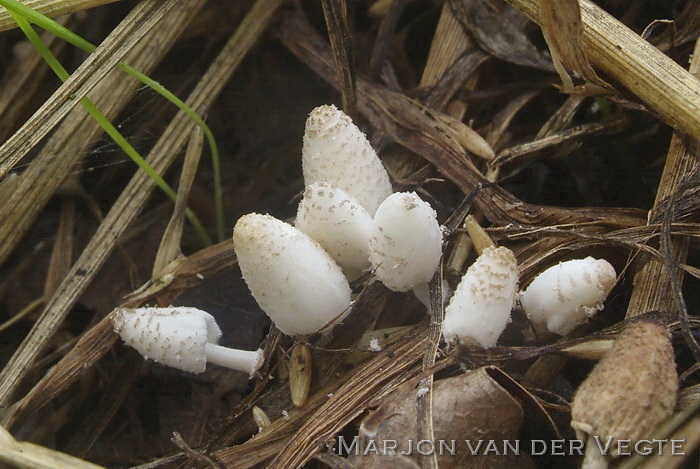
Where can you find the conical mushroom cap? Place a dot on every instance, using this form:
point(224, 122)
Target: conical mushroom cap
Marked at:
point(568, 294)
point(174, 337)
point(480, 308)
point(337, 152)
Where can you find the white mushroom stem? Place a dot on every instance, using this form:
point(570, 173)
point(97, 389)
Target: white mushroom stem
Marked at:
point(241, 360)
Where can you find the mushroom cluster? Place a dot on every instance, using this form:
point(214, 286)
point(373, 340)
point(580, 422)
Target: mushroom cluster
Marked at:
point(347, 222)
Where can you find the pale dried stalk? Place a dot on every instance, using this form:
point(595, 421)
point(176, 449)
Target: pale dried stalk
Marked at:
point(51, 8)
point(664, 86)
point(135, 195)
point(652, 285)
point(25, 454)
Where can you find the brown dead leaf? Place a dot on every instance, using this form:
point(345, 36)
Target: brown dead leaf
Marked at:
point(469, 407)
point(500, 31)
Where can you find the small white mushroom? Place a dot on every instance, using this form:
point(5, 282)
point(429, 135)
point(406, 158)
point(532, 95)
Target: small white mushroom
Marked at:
point(480, 308)
point(568, 294)
point(181, 337)
point(292, 278)
point(337, 152)
point(406, 242)
point(339, 224)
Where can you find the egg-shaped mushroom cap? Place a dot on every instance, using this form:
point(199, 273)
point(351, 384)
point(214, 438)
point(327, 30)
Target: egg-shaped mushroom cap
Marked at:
point(406, 242)
point(292, 278)
point(568, 294)
point(174, 336)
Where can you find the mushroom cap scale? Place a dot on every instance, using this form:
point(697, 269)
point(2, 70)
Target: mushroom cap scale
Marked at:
point(175, 336)
point(406, 242)
point(337, 152)
point(339, 224)
point(289, 274)
point(480, 308)
point(568, 294)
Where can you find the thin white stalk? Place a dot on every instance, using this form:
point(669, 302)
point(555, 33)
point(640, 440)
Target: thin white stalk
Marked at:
point(241, 360)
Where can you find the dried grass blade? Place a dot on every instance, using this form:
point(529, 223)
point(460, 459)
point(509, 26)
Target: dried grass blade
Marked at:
point(51, 8)
point(658, 81)
point(169, 248)
point(139, 21)
point(25, 454)
point(340, 33)
point(87, 265)
point(652, 283)
point(562, 28)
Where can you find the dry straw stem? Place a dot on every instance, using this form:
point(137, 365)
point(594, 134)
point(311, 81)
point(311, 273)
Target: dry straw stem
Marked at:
point(29, 455)
point(663, 85)
point(71, 139)
point(25, 75)
point(324, 416)
point(135, 195)
point(169, 248)
point(652, 284)
point(51, 8)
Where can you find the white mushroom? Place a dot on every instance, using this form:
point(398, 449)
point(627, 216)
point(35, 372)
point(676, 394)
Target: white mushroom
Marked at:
point(480, 307)
point(339, 224)
point(568, 294)
point(181, 337)
point(337, 152)
point(292, 278)
point(406, 242)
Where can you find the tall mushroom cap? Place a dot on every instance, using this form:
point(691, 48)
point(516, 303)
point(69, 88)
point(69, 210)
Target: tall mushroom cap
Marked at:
point(291, 277)
point(406, 242)
point(568, 294)
point(339, 224)
point(480, 308)
point(337, 152)
point(175, 337)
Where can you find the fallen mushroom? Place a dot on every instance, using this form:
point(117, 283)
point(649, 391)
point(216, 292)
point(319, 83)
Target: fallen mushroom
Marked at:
point(181, 337)
point(339, 224)
point(337, 152)
point(568, 294)
point(406, 242)
point(296, 282)
point(480, 308)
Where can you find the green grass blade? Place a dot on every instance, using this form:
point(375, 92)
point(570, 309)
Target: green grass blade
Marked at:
point(102, 120)
point(13, 6)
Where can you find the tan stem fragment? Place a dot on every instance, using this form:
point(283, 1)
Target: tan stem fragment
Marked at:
point(664, 86)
